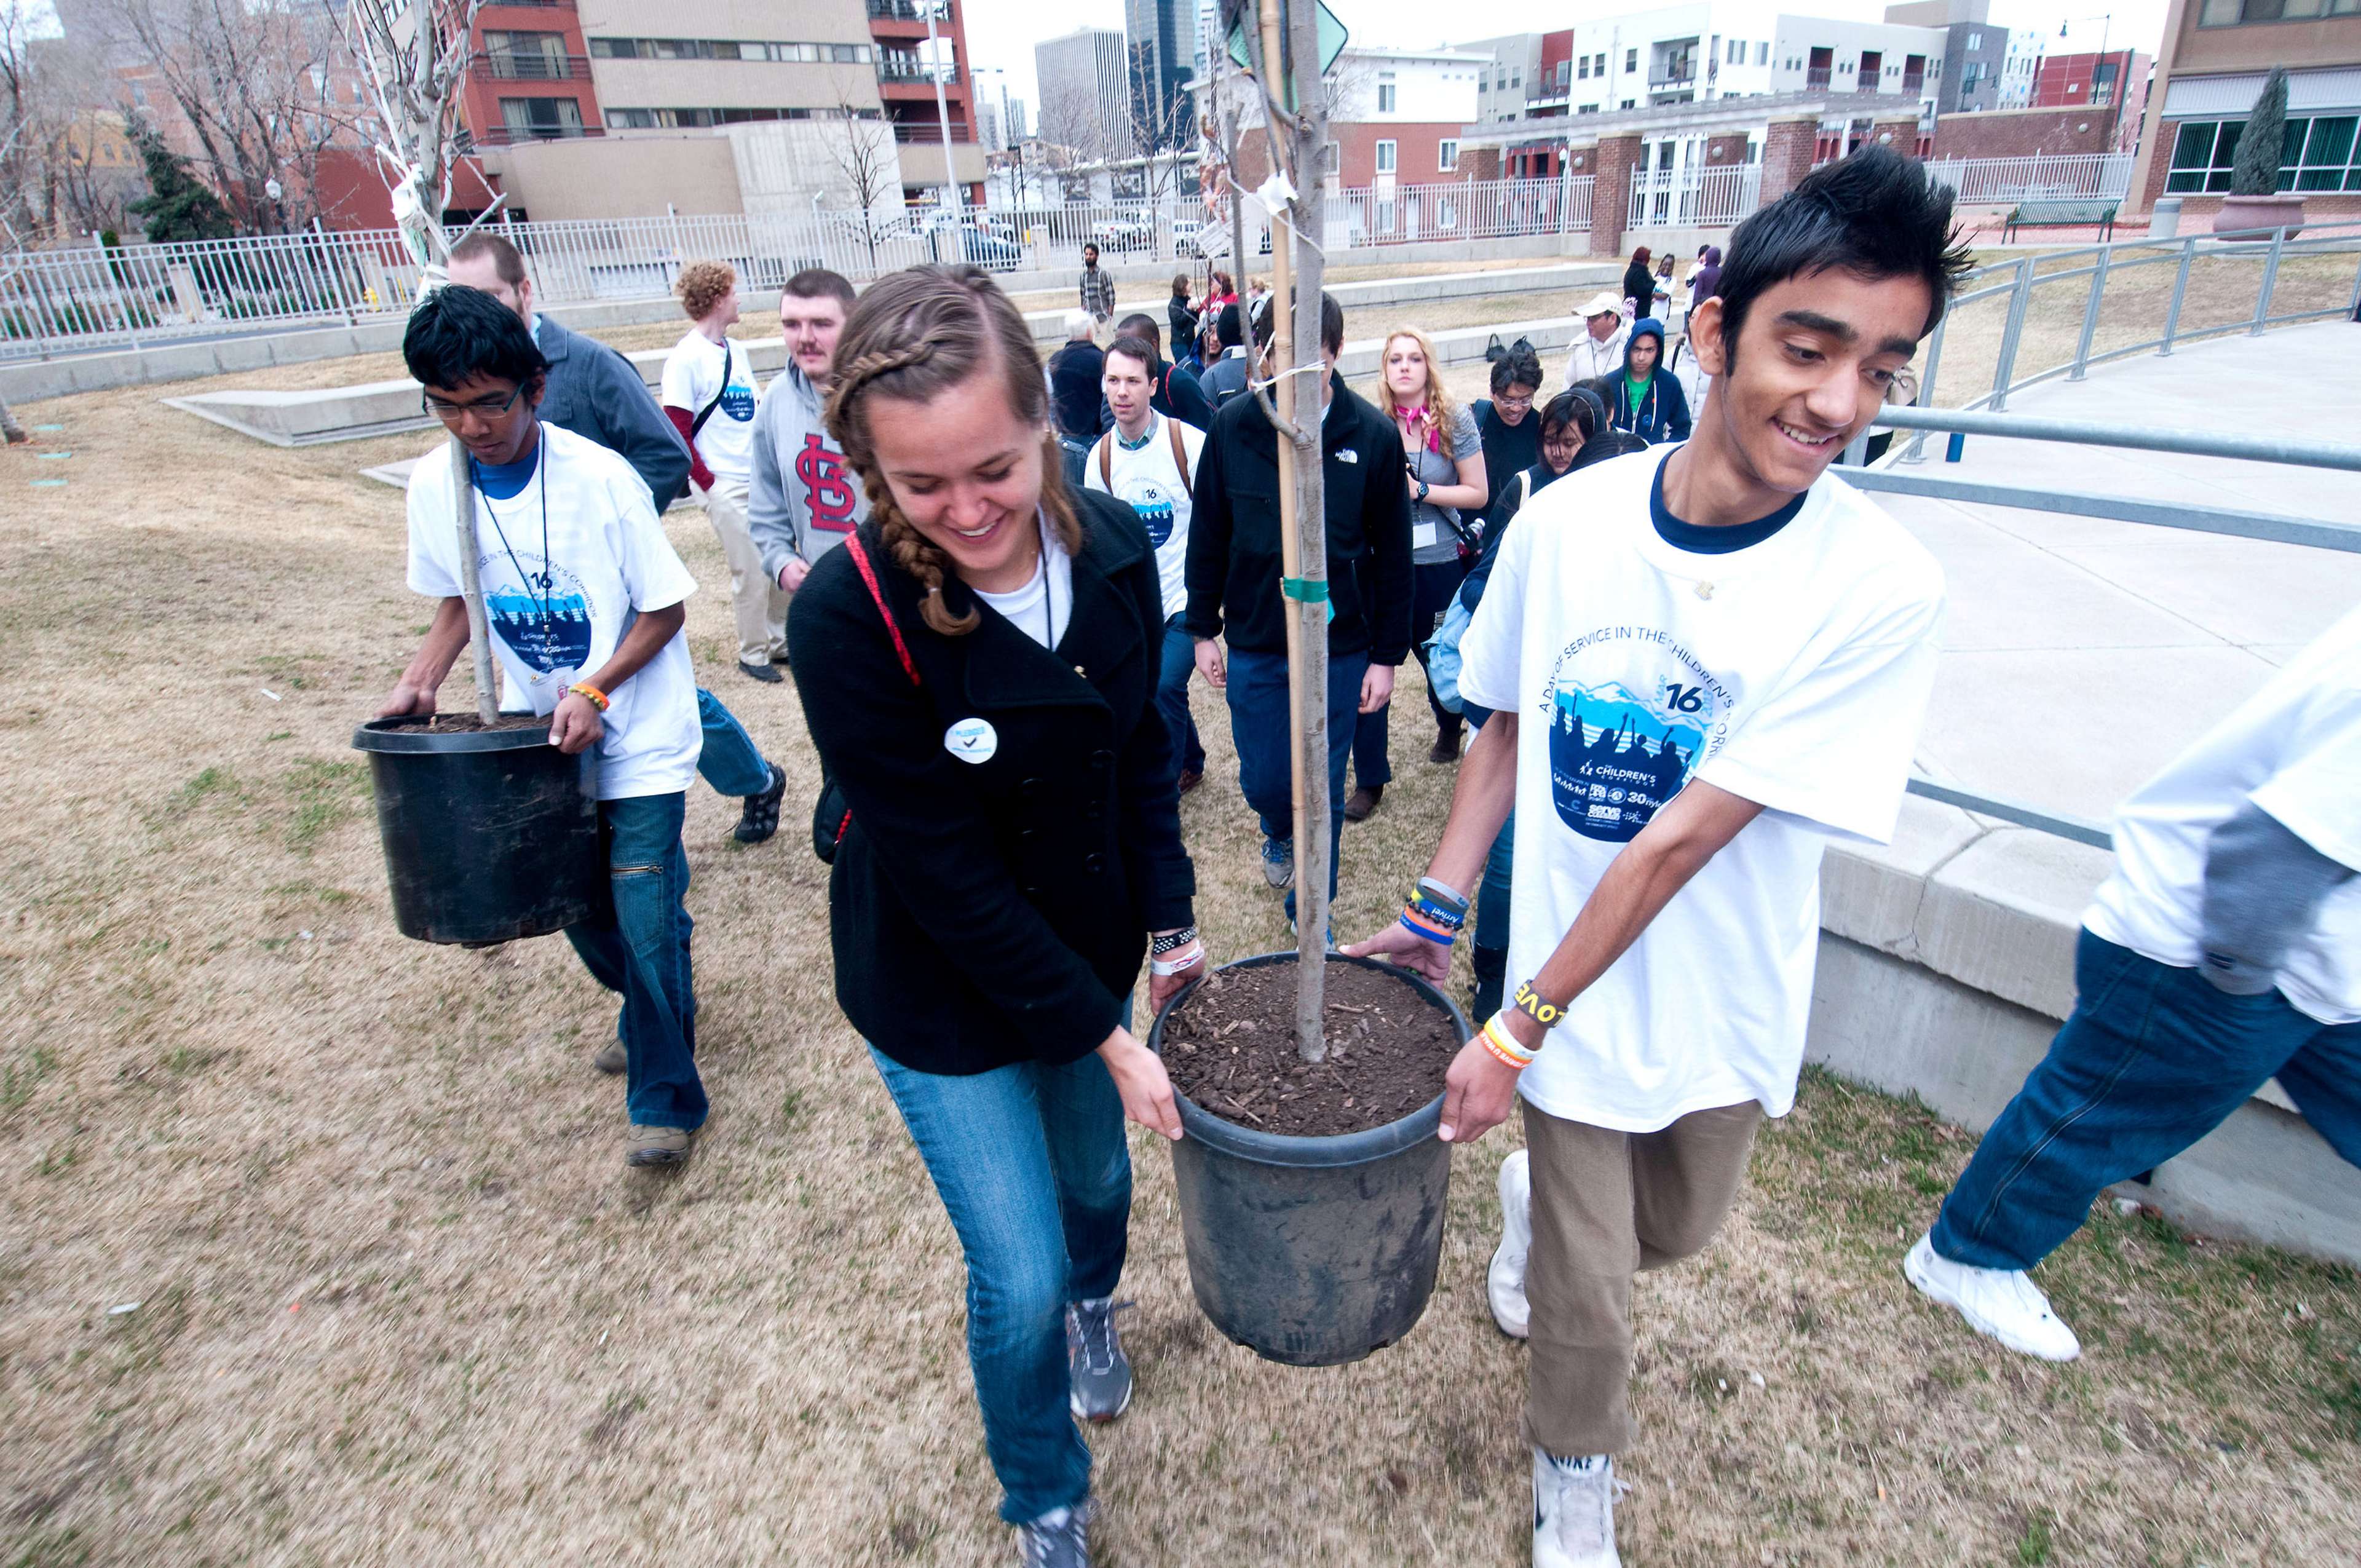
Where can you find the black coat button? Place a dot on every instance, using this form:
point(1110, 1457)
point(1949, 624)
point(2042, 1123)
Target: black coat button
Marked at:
point(1103, 759)
point(1031, 788)
point(1094, 864)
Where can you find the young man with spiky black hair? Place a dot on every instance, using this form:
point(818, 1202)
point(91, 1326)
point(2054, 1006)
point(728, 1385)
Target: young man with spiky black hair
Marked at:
point(585, 601)
point(1705, 663)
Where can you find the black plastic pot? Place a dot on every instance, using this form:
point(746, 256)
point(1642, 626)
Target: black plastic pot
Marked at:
point(490, 835)
point(1313, 1252)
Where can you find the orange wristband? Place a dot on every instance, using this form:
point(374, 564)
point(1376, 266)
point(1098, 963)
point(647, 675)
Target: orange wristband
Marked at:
point(584, 688)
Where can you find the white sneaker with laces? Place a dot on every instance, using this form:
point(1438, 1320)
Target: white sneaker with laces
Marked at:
point(1574, 1511)
point(1505, 1280)
point(2003, 1304)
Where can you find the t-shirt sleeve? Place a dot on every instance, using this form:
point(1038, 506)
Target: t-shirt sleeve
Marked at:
point(681, 382)
point(2314, 794)
point(1091, 481)
point(654, 577)
point(1465, 440)
point(1832, 744)
point(434, 533)
point(1491, 649)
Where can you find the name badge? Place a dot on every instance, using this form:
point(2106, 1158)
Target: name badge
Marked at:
point(972, 740)
point(1349, 455)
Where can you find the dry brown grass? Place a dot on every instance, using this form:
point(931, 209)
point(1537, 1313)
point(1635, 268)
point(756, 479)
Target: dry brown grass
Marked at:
point(400, 1301)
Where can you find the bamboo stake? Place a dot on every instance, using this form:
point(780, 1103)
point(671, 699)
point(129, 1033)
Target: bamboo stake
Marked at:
point(471, 586)
point(1312, 614)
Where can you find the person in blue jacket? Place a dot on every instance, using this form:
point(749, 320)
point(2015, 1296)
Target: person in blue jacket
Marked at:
point(1647, 399)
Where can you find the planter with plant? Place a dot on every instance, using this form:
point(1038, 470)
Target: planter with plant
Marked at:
point(2254, 202)
point(490, 833)
point(1310, 1179)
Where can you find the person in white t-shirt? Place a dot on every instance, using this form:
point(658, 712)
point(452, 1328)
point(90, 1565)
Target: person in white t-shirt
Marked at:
point(707, 390)
point(2223, 952)
point(1705, 665)
point(585, 601)
point(1149, 461)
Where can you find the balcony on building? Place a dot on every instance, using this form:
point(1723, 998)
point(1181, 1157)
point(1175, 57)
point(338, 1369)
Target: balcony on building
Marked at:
point(905, 19)
point(504, 66)
point(896, 69)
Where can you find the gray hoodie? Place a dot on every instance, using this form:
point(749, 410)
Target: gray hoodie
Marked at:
point(805, 499)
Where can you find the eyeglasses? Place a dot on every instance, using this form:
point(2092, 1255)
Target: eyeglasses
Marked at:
point(1515, 405)
point(446, 412)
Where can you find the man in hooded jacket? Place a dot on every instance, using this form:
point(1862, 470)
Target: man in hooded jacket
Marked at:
point(804, 500)
point(1646, 398)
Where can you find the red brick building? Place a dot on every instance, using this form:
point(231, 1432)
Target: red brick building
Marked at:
point(2022, 133)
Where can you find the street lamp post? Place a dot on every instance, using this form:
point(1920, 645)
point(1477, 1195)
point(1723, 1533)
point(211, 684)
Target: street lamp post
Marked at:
point(2115, 93)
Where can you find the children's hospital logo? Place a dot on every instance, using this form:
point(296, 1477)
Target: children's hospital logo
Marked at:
point(1631, 713)
point(545, 620)
point(1154, 505)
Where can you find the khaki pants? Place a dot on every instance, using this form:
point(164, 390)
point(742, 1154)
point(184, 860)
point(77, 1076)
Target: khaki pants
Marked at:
point(760, 604)
point(1606, 1205)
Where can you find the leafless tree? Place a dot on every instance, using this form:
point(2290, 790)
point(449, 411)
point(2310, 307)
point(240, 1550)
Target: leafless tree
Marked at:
point(866, 158)
point(415, 54)
point(253, 83)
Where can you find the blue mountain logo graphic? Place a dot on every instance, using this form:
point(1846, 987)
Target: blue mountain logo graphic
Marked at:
point(1616, 758)
point(552, 632)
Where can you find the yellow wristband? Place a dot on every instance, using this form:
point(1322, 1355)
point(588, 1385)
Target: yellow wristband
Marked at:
point(584, 688)
point(1496, 1038)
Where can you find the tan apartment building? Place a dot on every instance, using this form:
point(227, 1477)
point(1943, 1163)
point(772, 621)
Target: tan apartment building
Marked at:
point(2212, 62)
point(702, 106)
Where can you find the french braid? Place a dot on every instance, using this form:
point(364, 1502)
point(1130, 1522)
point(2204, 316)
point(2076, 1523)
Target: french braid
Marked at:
point(912, 335)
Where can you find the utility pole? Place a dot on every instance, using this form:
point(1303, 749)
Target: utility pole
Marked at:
point(951, 193)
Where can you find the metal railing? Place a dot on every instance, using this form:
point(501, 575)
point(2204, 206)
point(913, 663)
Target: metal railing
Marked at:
point(1694, 198)
point(2319, 533)
point(519, 66)
point(1490, 209)
point(2065, 176)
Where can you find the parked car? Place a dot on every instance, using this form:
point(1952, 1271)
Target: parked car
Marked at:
point(1123, 233)
point(990, 247)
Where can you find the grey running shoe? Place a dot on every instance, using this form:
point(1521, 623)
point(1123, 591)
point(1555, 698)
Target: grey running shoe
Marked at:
point(656, 1146)
point(1065, 1543)
point(611, 1058)
point(1278, 862)
point(1098, 1373)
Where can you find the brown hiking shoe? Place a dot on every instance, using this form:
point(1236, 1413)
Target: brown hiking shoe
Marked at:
point(1446, 746)
point(1363, 801)
point(611, 1058)
point(656, 1146)
point(1191, 778)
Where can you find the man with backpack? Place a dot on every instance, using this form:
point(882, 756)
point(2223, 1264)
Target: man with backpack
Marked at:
point(1510, 436)
point(1149, 461)
point(1173, 392)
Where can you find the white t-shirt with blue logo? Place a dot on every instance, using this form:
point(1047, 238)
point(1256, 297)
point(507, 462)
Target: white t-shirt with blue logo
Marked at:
point(1793, 673)
point(1146, 480)
point(557, 615)
point(692, 374)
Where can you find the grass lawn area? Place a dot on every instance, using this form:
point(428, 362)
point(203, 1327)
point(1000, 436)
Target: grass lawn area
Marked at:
point(398, 1302)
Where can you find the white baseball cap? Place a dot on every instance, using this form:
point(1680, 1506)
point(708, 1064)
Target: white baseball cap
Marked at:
point(1603, 305)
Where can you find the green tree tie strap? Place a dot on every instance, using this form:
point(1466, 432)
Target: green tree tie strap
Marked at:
point(1307, 590)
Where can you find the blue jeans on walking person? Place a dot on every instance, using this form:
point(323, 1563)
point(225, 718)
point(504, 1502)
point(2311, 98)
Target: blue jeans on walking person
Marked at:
point(2153, 1059)
point(1172, 696)
point(640, 947)
point(1265, 745)
point(1031, 1165)
point(1432, 586)
point(730, 761)
point(1492, 893)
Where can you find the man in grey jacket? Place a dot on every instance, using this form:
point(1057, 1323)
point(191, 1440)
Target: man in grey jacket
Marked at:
point(594, 391)
point(804, 500)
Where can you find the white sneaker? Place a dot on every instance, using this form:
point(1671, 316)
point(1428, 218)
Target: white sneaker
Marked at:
point(1505, 1281)
point(2003, 1303)
point(1574, 1511)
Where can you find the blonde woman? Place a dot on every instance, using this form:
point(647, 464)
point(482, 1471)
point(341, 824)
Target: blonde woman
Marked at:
point(1443, 468)
point(978, 667)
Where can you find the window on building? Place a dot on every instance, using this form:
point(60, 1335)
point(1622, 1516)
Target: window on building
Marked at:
point(527, 119)
point(1763, 53)
point(1385, 157)
point(1582, 67)
point(1562, 68)
point(2316, 155)
point(1737, 55)
point(526, 56)
point(1385, 97)
point(1446, 155)
point(2230, 13)
point(1630, 59)
point(1629, 103)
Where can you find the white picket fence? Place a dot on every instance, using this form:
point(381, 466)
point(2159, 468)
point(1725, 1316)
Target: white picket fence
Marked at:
point(1694, 198)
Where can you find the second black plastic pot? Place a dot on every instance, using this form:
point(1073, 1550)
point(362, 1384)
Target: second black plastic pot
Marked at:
point(1313, 1252)
point(490, 835)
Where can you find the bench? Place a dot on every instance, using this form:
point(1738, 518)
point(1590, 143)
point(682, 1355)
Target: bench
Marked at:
point(2061, 216)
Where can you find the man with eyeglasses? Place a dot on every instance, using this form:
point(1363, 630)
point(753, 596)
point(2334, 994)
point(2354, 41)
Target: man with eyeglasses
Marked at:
point(585, 602)
point(1511, 437)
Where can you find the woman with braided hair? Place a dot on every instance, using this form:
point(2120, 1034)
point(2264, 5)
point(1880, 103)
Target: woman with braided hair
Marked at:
point(978, 667)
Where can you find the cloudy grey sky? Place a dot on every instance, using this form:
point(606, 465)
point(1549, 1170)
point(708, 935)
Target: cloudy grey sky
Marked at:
point(1001, 33)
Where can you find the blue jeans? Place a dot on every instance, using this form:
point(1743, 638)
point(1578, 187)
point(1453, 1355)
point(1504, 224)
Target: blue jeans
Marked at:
point(1075, 453)
point(1492, 894)
point(1172, 696)
point(2153, 1059)
point(1259, 727)
point(640, 947)
point(1433, 584)
point(1030, 1162)
point(730, 761)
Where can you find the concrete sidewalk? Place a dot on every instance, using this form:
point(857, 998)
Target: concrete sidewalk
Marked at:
point(2079, 655)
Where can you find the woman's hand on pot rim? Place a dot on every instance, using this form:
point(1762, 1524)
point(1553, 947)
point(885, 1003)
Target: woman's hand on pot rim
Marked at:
point(1140, 1079)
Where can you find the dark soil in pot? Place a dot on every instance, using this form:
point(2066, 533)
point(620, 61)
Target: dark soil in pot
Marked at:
point(467, 723)
point(1230, 1046)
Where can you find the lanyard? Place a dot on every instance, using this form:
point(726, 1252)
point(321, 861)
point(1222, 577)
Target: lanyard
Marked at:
point(533, 583)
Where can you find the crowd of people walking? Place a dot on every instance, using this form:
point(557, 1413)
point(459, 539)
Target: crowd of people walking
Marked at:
point(1688, 654)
